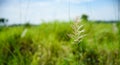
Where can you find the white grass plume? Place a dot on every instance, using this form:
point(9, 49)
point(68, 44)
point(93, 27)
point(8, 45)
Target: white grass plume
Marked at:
point(78, 31)
point(24, 33)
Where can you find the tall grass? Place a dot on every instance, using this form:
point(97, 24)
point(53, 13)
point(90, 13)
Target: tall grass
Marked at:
point(49, 44)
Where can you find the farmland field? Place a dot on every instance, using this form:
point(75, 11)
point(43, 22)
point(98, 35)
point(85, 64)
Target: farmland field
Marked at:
point(50, 44)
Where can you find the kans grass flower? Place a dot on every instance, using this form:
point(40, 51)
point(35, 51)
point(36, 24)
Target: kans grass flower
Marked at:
point(78, 31)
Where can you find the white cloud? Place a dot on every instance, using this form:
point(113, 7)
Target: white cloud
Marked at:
point(74, 1)
point(49, 10)
point(21, 13)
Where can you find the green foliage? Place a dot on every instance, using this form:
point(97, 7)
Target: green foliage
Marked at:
point(84, 18)
point(49, 44)
point(3, 21)
point(27, 25)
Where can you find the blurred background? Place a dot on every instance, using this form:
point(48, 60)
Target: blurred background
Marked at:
point(22, 11)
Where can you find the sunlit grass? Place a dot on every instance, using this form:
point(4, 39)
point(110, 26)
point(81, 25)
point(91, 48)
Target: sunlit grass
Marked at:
point(49, 44)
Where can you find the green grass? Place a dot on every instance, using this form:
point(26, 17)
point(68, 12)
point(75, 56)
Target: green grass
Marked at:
point(49, 44)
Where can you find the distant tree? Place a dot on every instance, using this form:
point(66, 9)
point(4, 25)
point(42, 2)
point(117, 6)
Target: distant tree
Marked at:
point(84, 17)
point(28, 25)
point(3, 21)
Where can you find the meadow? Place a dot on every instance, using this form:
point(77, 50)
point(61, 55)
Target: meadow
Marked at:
point(50, 44)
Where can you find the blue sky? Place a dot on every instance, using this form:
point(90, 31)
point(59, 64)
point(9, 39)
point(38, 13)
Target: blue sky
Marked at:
point(21, 11)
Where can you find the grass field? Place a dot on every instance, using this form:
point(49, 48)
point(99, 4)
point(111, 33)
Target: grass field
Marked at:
point(49, 44)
